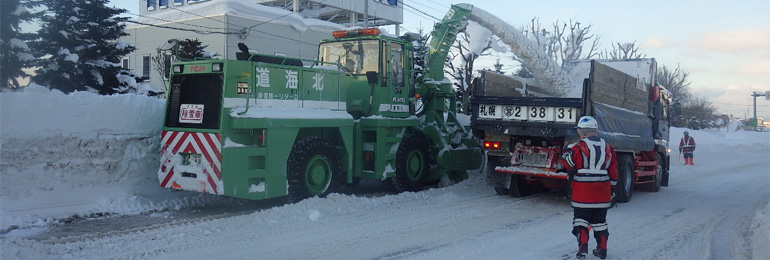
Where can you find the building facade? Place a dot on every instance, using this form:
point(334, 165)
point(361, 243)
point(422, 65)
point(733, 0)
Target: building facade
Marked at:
point(290, 28)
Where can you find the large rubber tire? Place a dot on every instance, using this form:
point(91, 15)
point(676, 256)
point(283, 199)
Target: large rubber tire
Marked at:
point(412, 163)
point(666, 171)
point(625, 186)
point(658, 175)
point(313, 169)
point(489, 171)
point(502, 191)
point(519, 187)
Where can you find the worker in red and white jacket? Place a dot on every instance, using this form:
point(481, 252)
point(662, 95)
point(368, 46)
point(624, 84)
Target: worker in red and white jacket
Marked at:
point(593, 174)
point(687, 146)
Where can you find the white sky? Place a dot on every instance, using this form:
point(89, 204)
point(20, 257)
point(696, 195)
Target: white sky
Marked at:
point(725, 46)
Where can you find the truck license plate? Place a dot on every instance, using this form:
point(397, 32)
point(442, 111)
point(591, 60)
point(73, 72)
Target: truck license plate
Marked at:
point(540, 113)
point(490, 111)
point(515, 112)
point(566, 114)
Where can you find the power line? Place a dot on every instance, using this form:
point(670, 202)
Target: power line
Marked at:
point(430, 7)
point(223, 22)
point(160, 19)
point(439, 4)
point(420, 11)
point(747, 105)
point(181, 29)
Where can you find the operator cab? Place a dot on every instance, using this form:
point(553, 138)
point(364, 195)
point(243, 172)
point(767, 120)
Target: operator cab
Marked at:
point(378, 61)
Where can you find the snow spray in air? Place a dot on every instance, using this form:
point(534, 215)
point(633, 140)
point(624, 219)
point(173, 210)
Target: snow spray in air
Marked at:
point(544, 68)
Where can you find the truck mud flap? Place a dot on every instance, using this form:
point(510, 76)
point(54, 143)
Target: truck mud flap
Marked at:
point(461, 159)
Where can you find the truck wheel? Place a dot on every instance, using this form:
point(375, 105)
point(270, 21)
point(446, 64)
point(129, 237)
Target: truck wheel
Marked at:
point(411, 164)
point(313, 169)
point(625, 186)
point(519, 187)
point(658, 174)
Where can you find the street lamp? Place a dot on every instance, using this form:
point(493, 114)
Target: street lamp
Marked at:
point(755, 95)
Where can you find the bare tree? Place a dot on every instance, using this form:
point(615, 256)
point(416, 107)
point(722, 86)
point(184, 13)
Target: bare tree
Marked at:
point(676, 81)
point(565, 41)
point(573, 42)
point(162, 63)
point(628, 50)
point(462, 73)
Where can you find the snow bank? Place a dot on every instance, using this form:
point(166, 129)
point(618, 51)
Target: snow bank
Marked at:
point(77, 154)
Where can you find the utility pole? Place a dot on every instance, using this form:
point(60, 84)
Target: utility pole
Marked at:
point(366, 13)
point(755, 121)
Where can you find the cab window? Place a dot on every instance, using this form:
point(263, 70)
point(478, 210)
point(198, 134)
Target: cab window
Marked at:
point(354, 56)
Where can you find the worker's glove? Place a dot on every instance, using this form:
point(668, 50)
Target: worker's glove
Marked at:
point(613, 202)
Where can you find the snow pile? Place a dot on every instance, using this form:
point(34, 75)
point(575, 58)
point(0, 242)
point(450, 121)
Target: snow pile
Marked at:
point(77, 154)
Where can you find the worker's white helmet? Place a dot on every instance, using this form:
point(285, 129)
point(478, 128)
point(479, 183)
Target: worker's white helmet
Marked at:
point(587, 122)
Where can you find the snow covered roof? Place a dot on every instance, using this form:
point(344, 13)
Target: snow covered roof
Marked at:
point(239, 8)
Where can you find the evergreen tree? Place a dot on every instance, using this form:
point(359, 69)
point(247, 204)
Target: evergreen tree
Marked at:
point(81, 49)
point(498, 66)
point(191, 49)
point(14, 51)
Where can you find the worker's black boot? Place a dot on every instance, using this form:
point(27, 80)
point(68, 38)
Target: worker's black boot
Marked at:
point(601, 244)
point(582, 238)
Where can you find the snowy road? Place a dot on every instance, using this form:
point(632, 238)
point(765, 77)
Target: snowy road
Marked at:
point(709, 211)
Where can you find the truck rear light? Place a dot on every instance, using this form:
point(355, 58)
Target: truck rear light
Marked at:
point(178, 68)
point(262, 137)
point(492, 145)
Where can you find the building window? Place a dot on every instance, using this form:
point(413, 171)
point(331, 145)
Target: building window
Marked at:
point(124, 63)
point(150, 5)
point(178, 2)
point(195, 1)
point(146, 66)
point(162, 4)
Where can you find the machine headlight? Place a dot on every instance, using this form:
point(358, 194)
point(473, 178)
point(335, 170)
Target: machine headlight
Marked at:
point(216, 67)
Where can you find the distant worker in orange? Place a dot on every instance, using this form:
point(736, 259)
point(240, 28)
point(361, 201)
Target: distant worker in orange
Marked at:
point(687, 147)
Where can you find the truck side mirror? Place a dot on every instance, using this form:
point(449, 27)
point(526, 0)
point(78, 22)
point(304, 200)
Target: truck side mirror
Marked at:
point(371, 76)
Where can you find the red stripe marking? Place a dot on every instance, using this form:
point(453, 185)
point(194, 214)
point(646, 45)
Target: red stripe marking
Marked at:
point(211, 181)
point(168, 177)
point(179, 143)
point(215, 148)
point(208, 156)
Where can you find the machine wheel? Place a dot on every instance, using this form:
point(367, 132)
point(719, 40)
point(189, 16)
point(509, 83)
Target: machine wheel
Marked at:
point(502, 191)
point(411, 164)
point(658, 174)
point(519, 187)
point(625, 187)
point(313, 169)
